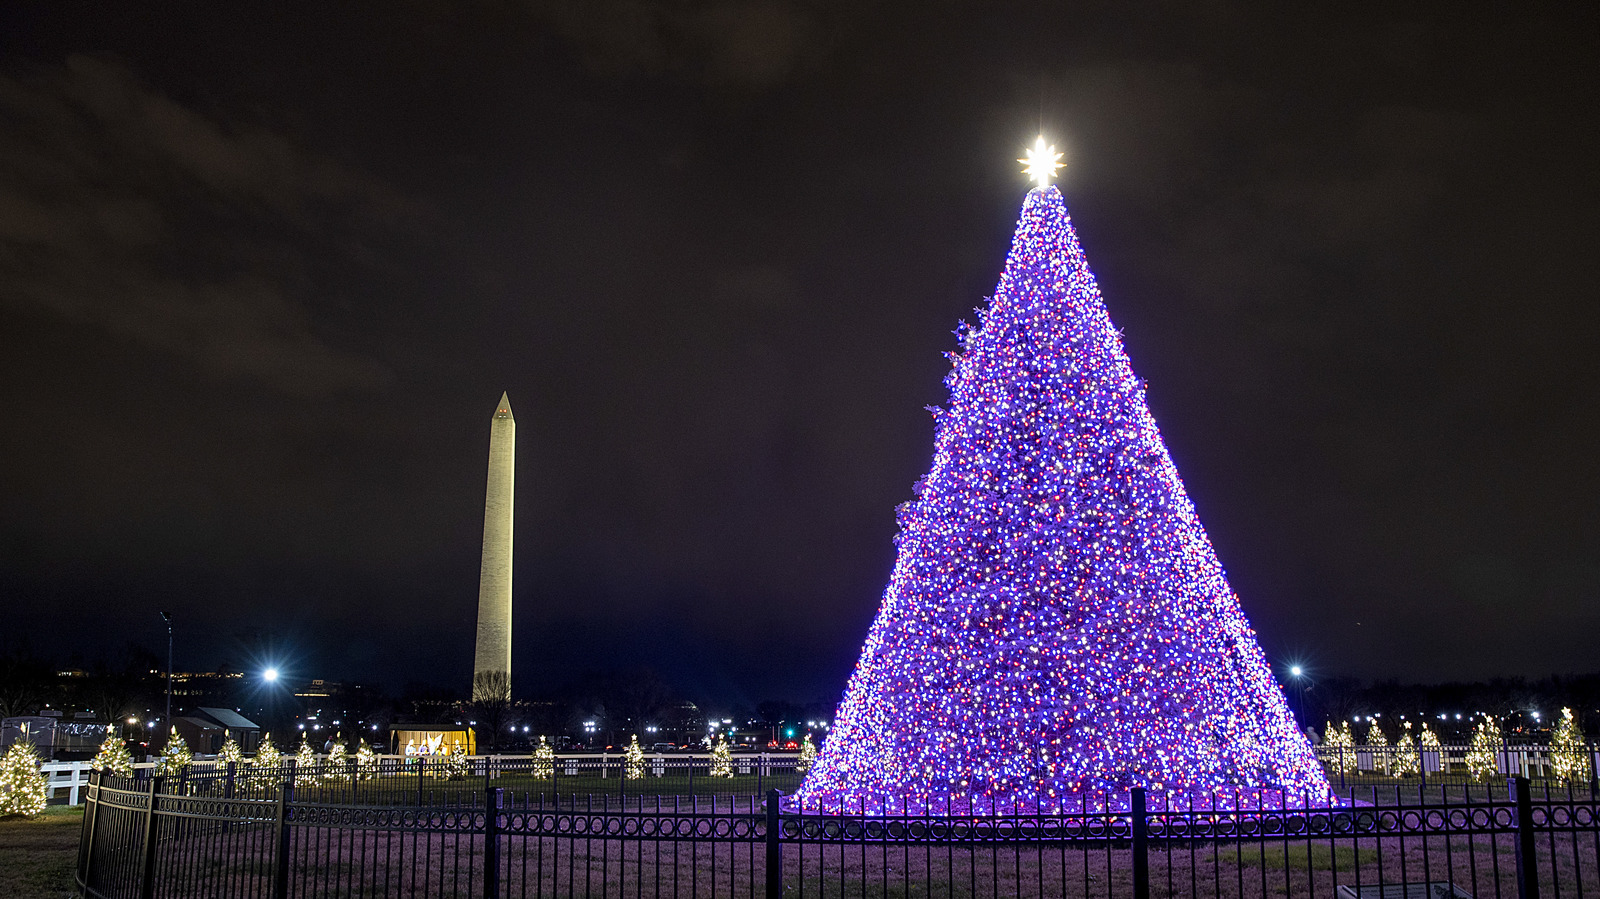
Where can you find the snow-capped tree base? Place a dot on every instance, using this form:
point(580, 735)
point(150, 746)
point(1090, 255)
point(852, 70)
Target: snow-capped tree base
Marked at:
point(1057, 624)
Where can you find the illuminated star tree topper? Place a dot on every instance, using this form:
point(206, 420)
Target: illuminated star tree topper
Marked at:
point(1057, 628)
point(1041, 162)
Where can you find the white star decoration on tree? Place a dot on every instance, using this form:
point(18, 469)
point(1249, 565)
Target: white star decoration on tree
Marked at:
point(1041, 162)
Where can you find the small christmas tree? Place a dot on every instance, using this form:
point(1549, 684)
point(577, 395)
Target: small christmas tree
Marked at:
point(366, 762)
point(1341, 747)
point(456, 765)
point(1483, 756)
point(1379, 743)
point(230, 754)
point(544, 761)
point(338, 765)
point(113, 758)
point(1428, 742)
point(175, 756)
point(721, 759)
point(22, 786)
point(633, 760)
point(808, 755)
point(1406, 760)
point(304, 756)
point(264, 766)
point(1568, 754)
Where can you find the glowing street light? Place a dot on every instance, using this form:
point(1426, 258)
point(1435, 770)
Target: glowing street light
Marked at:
point(269, 675)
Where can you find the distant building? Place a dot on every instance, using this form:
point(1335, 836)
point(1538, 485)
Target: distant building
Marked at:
point(218, 725)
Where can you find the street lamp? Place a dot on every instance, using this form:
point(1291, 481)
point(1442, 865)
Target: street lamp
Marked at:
point(1298, 673)
point(167, 617)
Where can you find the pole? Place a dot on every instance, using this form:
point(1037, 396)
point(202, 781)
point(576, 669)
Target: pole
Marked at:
point(147, 864)
point(1141, 847)
point(167, 721)
point(774, 850)
point(491, 842)
point(1527, 860)
point(281, 833)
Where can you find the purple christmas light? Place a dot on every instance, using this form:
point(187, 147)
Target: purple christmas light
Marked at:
point(1057, 625)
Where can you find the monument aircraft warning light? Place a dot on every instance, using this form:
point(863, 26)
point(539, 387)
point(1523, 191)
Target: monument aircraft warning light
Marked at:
point(493, 651)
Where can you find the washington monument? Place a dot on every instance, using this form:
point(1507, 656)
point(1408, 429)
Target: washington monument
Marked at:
point(494, 579)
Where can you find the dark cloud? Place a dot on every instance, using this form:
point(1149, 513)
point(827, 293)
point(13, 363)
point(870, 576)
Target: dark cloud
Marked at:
point(123, 210)
point(715, 251)
point(746, 45)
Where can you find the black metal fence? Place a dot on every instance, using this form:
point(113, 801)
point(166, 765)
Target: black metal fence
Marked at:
point(513, 831)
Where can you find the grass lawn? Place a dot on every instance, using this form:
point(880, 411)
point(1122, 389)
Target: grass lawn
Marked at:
point(37, 854)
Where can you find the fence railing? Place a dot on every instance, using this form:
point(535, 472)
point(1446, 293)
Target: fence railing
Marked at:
point(515, 833)
point(1446, 763)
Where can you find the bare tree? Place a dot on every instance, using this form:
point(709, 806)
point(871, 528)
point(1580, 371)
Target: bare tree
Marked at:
point(491, 701)
point(24, 684)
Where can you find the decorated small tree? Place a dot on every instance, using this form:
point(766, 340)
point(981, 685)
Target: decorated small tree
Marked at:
point(338, 765)
point(1483, 756)
point(1378, 742)
point(808, 755)
point(544, 761)
point(230, 754)
point(264, 766)
point(366, 762)
point(304, 756)
point(1428, 743)
point(113, 758)
point(721, 759)
point(1406, 760)
point(456, 765)
point(1340, 746)
point(22, 786)
point(633, 760)
point(175, 756)
point(1568, 754)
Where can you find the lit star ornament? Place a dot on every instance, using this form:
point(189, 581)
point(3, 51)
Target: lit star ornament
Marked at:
point(1041, 162)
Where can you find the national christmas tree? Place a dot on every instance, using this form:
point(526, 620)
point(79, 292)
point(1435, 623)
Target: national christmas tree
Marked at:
point(1057, 624)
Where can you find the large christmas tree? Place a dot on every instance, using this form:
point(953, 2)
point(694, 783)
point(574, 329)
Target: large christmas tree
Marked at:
point(1057, 625)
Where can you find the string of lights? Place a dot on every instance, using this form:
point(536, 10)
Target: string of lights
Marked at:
point(1057, 625)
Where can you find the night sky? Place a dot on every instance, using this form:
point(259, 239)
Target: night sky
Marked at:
point(264, 275)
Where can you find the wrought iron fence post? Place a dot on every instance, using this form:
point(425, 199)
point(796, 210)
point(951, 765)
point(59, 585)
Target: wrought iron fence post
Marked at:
point(1341, 766)
point(1527, 860)
point(1141, 848)
point(422, 763)
point(491, 843)
point(147, 863)
point(227, 793)
point(90, 813)
point(774, 850)
point(280, 832)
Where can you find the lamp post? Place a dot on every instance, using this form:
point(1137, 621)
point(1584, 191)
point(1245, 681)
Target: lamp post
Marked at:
point(1298, 673)
point(167, 617)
